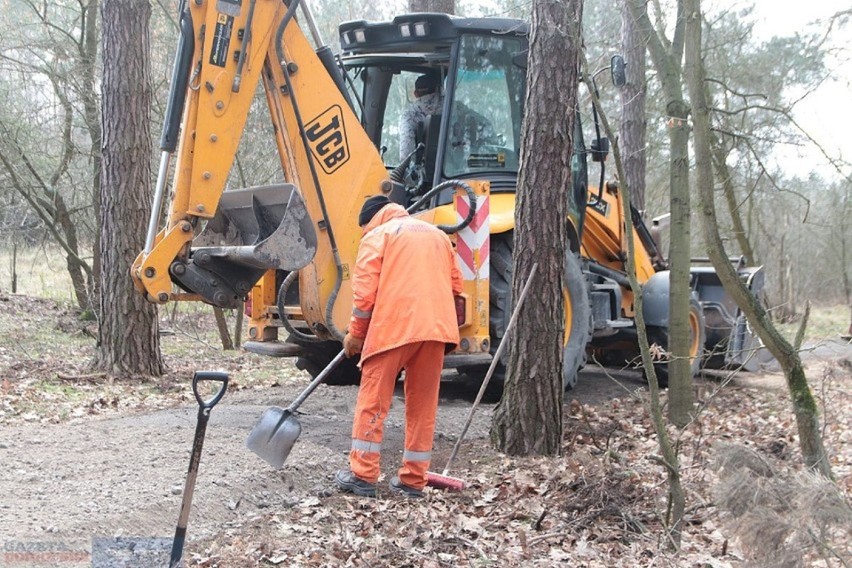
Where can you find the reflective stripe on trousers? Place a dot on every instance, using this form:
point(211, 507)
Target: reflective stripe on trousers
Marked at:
point(422, 363)
point(410, 455)
point(366, 446)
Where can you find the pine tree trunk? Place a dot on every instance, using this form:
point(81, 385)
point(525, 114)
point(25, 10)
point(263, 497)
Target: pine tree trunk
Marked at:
point(528, 419)
point(128, 341)
point(633, 123)
point(804, 405)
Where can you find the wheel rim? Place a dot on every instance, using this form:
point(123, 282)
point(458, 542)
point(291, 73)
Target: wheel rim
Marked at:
point(569, 315)
point(694, 335)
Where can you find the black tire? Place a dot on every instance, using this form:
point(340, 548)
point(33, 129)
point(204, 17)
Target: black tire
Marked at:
point(660, 335)
point(501, 273)
point(577, 300)
point(317, 356)
point(500, 308)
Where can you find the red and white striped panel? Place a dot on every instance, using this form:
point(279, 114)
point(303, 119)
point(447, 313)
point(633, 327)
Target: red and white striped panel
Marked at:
point(476, 236)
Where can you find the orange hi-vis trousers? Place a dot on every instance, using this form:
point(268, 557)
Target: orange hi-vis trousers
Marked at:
point(422, 362)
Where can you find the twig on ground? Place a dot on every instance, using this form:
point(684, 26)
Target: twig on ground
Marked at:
point(89, 378)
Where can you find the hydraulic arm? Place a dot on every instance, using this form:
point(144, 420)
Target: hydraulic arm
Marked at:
point(217, 244)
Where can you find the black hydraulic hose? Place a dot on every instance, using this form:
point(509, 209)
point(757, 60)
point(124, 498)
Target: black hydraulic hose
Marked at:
point(180, 81)
point(281, 302)
point(245, 46)
point(607, 272)
point(450, 229)
point(326, 57)
point(279, 51)
point(643, 232)
point(398, 173)
point(351, 84)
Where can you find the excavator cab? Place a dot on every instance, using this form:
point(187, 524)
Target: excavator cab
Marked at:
point(474, 131)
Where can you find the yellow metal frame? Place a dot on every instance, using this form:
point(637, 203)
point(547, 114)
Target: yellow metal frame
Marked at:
point(304, 103)
point(348, 169)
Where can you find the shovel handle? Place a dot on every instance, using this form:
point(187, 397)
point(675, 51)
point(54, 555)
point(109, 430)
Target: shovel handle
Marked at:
point(316, 382)
point(200, 376)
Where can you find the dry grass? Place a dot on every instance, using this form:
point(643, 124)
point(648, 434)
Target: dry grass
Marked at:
point(41, 272)
point(824, 322)
point(780, 518)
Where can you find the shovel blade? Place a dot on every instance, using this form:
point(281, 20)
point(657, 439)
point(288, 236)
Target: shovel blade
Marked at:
point(273, 436)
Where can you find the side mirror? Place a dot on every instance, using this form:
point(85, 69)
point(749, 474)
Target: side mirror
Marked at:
point(617, 70)
point(600, 149)
point(520, 58)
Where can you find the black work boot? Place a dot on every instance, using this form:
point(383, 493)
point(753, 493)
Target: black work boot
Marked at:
point(348, 482)
point(398, 486)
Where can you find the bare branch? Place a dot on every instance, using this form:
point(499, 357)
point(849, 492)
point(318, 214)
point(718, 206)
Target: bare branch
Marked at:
point(167, 13)
point(733, 91)
point(800, 334)
point(44, 215)
point(753, 151)
point(787, 114)
point(736, 111)
point(67, 143)
point(660, 25)
point(678, 39)
point(42, 16)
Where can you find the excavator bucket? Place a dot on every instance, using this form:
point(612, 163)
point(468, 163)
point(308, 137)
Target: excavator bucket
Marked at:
point(254, 230)
point(264, 227)
point(728, 338)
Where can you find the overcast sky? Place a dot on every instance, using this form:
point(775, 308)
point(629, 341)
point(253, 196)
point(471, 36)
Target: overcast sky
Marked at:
point(827, 113)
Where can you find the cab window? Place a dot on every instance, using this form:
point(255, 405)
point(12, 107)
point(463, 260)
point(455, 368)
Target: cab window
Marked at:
point(485, 114)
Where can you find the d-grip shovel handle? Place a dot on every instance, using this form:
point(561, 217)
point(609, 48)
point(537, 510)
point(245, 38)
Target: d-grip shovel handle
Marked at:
point(201, 376)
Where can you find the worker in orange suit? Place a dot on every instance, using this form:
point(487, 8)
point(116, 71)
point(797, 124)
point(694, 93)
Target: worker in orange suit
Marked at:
point(403, 317)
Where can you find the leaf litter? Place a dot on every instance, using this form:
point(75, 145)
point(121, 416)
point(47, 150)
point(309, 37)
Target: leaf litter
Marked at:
point(601, 503)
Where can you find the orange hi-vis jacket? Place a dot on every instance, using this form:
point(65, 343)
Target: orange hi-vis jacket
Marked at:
point(403, 284)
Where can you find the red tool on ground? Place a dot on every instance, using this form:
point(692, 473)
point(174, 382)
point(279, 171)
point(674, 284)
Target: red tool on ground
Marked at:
point(442, 480)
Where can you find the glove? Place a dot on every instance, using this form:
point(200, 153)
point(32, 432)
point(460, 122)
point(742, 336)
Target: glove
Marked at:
point(352, 345)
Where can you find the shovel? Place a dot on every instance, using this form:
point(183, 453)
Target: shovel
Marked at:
point(277, 430)
point(204, 408)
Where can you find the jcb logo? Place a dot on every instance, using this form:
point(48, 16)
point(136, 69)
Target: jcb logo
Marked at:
point(328, 139)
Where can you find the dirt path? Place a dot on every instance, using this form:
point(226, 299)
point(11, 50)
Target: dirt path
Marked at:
point(115, 464)
point(124, 476)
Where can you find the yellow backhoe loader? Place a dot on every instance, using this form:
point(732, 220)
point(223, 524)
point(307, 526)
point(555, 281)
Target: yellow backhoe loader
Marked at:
point(287, 249)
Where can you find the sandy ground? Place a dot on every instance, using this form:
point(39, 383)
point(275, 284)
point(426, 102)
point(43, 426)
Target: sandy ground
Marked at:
point(124, 476)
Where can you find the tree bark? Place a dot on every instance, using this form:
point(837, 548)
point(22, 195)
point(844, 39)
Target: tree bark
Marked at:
point(633, 122)
point(92, 116)
point(222, 326)
point(804, 405)
point(528, 419)
point(444, 6)
point(668, 68)
point(128, 340)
